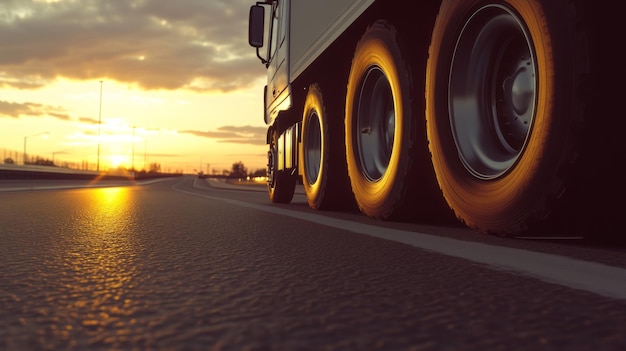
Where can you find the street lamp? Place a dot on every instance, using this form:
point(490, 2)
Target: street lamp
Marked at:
point(26, 138)
point(132, 158)
point(99, 128)
point(58, 152)
point(145, 154)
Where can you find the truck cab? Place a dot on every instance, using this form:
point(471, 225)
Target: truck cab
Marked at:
point(271, 19)
point(269, 33)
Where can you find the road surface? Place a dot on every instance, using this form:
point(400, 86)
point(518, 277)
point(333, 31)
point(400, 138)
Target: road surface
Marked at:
point(191, 264)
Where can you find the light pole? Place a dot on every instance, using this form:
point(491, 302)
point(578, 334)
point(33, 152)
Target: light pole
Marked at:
point(145, 154)
point(99, 128)
point(132, 158)
point(57, 152)
point(25, 139)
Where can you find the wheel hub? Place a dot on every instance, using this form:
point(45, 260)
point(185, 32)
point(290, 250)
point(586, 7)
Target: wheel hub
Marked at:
point(493, 91)
point(312, 148)
point(376, 121)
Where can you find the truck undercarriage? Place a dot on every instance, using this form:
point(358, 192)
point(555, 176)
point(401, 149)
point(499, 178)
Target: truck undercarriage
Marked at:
point(498, 113)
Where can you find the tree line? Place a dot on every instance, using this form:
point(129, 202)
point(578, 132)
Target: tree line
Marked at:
point(238, 171)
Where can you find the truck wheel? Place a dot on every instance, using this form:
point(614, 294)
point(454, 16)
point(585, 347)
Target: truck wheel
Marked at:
point(378, 123)
point(281, 185)
point(502, 94)
point(320, 165)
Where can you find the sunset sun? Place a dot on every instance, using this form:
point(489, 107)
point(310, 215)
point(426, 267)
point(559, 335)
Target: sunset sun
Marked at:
point(119, 161)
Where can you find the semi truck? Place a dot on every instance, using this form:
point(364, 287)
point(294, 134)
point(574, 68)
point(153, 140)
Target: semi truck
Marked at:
point(503, 114)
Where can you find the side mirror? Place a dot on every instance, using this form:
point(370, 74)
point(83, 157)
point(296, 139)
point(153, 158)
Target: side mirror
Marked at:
point(256, 27)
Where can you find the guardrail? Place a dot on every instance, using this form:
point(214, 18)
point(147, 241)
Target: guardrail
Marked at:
point(9, 171)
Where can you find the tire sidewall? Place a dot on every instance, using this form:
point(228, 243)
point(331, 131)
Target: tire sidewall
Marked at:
point(314, 103)
point(378, 48)
point(506, 202)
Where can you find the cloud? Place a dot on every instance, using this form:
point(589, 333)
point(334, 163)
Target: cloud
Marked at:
point(232, 134)
point(158, 44)
point(29, 109)
point(88, 120)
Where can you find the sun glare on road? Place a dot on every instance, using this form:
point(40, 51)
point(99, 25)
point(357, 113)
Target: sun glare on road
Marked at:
point(102, 259)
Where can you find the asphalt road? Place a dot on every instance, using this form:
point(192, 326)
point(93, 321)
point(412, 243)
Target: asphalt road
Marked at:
point(189, 264)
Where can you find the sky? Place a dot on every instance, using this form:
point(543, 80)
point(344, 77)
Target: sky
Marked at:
point(128, 83)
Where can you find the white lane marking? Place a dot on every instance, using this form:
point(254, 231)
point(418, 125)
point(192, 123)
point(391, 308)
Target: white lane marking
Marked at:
point(601, 279)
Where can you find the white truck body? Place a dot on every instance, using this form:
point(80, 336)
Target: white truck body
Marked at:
point(317, 24)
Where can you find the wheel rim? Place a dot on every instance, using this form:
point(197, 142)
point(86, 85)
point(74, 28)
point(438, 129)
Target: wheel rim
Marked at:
point(271, 164)
point(312, 148)
point(375, 124)
point(493, 91)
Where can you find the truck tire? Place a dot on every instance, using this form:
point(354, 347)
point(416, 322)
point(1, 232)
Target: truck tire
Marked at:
point(378, 123)
point(320, 165)
point(504, 104)
point(281, 184)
